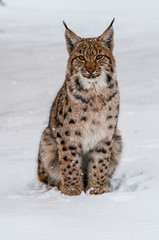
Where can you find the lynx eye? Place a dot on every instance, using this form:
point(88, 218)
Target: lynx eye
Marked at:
point(81, 58)
point(99, 57)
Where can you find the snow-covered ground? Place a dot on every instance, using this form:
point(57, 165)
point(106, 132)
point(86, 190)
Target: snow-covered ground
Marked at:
point(32, 69)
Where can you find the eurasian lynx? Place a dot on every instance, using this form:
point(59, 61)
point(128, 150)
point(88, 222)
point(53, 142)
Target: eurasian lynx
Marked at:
point(81, 146)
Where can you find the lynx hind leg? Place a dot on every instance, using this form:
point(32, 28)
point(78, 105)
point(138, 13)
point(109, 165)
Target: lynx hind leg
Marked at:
point(115, 153)
point(48, 162)
point(42, 174)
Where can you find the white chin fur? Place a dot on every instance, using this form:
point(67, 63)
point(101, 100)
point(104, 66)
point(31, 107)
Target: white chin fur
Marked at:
point(97, 83)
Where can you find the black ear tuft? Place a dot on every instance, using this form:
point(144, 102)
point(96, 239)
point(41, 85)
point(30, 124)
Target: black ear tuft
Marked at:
point(65, 25)
point(112, 22)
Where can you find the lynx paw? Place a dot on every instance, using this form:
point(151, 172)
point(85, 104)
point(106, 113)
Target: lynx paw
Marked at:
point(71, 191)
point(99, 190)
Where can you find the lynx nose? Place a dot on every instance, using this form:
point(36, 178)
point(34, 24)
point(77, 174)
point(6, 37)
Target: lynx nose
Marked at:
point(91, 70)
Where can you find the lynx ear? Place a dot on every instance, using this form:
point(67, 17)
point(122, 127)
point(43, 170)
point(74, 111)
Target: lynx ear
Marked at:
point(107, 36)
point(71, 39)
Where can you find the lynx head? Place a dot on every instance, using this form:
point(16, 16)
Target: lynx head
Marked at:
point(90, 58)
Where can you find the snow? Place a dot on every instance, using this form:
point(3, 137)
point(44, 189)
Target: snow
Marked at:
point(32, 69)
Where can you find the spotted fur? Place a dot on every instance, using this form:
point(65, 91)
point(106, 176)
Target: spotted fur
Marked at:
point(81, 146)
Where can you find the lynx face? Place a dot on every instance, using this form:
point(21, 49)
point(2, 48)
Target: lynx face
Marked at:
point(90, 58)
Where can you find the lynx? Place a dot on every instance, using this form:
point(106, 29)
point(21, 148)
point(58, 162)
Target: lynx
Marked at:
point(81, 147)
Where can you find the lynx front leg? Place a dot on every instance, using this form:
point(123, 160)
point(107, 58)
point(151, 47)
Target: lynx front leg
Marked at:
point(98, 164)
point(70, 165)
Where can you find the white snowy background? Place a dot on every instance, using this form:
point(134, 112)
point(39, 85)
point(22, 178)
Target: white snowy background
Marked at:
point(32, 69)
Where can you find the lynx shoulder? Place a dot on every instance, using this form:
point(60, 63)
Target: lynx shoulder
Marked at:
point(81, 146)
